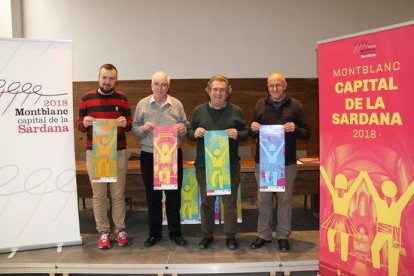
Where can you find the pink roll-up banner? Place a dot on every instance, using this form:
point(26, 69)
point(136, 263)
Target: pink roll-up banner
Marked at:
point(366, 101)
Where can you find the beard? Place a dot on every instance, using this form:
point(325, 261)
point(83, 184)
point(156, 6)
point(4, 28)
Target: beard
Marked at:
point(106, 91)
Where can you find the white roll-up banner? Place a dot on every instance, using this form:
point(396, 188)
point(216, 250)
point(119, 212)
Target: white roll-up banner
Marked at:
point(38, 198)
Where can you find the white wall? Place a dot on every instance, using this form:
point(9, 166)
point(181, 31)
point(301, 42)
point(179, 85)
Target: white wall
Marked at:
point(5, 19)
point(198, 38)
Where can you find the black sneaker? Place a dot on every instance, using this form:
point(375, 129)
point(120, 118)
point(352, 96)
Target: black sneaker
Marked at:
point(206, 243)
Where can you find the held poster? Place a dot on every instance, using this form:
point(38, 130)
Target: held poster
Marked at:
point(37, 165)
point(165, 158)
point(216, 145)
point(272, 158)
point(367, 158)
point(104, 150)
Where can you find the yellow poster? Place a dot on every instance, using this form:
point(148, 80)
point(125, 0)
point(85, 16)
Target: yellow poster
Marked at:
point(104, 150)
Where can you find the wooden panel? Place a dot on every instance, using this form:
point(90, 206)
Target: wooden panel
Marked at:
point(191, 92)
point(306, 182)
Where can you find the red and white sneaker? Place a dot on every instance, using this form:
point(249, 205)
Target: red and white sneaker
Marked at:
point(104, 241)
point(122, 238)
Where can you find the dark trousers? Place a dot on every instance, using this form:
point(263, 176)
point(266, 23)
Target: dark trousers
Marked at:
point(229, 202)
point(154, 198)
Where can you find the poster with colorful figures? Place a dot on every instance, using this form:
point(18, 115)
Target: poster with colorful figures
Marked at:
point(104, 150)
point(165, 158)
point(272, 158)
point(217, 160)
point(217, 216)
point(190, 199)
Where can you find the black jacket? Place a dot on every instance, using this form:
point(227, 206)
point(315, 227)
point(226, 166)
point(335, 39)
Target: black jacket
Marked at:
point(265, 113)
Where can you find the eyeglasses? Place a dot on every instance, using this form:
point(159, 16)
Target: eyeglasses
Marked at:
point(275, 86)
point(162, 85)
point(220, 90)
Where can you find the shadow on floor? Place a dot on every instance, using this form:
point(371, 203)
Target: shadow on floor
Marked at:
point(136, 222)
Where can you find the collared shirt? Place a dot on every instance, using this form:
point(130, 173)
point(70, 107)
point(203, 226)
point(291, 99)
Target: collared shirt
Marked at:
point(167, 101)
point(279, 103)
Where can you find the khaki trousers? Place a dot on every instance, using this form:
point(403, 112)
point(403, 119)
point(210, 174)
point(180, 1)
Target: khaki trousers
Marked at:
point(117, 192)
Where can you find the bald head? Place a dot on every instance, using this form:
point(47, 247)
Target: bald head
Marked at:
point(276, 85)
point(276, 76)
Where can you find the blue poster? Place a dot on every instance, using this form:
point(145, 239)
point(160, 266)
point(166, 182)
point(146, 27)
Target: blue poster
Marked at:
point(272, 158)
point(216, 146)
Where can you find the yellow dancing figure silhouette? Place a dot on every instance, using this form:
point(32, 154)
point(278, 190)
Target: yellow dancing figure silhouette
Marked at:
point(339, 220)
point(164, 161)
point(189, 206)
point(217, 161)
point(388, 222)
point(104, 154)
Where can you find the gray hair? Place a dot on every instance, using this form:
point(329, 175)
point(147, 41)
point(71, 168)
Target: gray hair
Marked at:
point(219, 78)
point(160, 75)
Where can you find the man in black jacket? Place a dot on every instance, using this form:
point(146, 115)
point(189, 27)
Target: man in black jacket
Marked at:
point(278, 109)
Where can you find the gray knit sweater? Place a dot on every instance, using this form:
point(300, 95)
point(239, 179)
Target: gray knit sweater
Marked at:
point(168, 115)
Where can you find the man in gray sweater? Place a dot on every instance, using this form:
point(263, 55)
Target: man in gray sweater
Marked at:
point(160, 109)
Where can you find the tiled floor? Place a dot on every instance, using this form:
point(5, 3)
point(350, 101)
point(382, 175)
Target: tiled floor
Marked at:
point(167, 258)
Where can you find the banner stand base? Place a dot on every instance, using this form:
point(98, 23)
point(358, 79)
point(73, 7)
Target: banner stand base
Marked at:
point(59, 245)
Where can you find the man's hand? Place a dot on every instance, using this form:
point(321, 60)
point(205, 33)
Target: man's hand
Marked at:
point(88, 121)
point(255, 126)
point(232, 133)
point(148, 126)
point(289, 127)
point(199, 132)
point(181, 128)
point(122, 122)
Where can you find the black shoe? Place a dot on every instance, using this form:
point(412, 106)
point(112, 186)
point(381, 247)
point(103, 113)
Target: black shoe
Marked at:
point(179, 240)
point(151, 241)
point(283, 245)
point(259, 243)
point(232, 244)
point(206, 243)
